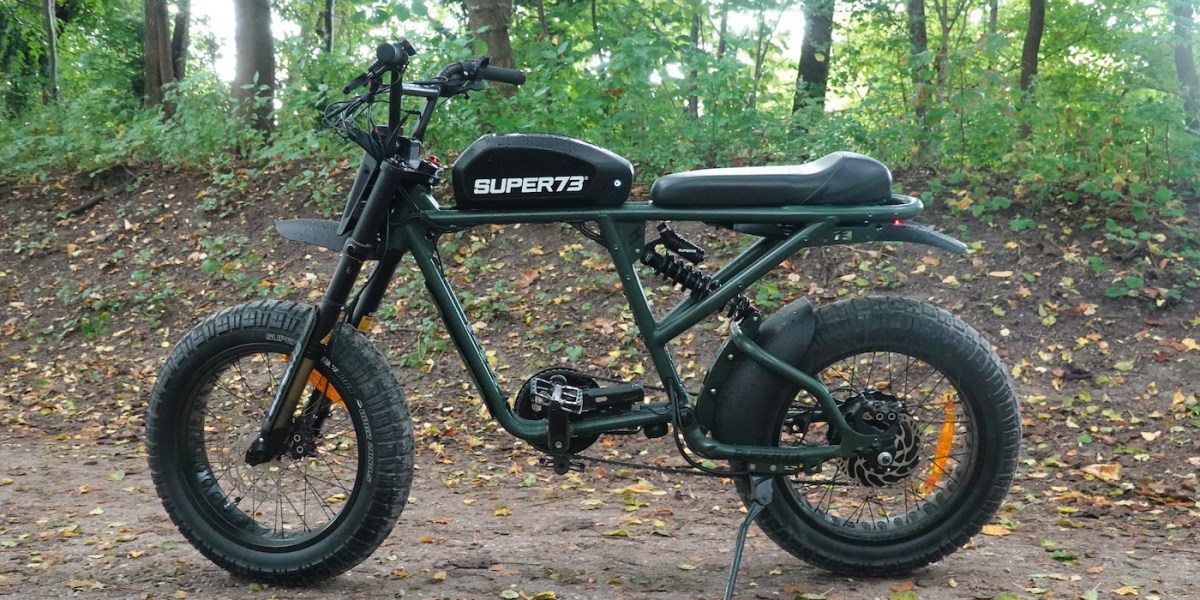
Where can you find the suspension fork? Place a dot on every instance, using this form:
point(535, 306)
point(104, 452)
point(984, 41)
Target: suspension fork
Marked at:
point(318, 331)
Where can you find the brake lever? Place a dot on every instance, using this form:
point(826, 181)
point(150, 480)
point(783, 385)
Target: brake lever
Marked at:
point(373, 73)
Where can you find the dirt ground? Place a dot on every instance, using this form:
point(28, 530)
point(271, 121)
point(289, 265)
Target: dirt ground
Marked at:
point(1104, 506)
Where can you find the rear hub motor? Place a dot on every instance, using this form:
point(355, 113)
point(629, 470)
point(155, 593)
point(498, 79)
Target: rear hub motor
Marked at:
point(897, 455)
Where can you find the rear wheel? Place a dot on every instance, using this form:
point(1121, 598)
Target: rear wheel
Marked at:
point(335, 493)
point(942, 394)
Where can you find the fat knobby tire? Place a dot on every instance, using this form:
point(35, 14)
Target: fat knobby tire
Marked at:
point(381, 424)
point(887, 324)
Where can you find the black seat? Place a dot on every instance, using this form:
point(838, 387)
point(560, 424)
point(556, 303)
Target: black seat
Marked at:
point(841, 178)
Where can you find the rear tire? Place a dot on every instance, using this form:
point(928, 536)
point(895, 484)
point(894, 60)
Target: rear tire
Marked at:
point(951, 470)
point(314, 512)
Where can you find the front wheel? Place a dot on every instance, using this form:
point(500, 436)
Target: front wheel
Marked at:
point(919, 373)
point(330, 499)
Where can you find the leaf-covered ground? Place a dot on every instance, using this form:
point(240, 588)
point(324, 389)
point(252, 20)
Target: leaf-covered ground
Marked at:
point(100, 277)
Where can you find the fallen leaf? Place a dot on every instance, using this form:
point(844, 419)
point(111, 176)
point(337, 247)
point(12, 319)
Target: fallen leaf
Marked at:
point(996, 530)
point(1106, 472)
point(85, 584)
point(638, 488)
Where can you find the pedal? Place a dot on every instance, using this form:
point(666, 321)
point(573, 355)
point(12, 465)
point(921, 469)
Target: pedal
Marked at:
point(551, 394)
point(613, 396)
point(561, 464)
point(575, 400)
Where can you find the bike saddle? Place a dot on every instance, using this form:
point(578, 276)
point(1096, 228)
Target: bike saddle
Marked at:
point(840, 178)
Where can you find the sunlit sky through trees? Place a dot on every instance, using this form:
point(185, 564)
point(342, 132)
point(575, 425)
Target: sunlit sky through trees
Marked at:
point(215, 17)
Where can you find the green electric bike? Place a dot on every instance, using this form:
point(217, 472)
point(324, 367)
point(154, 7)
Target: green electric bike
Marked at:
point(870, 436)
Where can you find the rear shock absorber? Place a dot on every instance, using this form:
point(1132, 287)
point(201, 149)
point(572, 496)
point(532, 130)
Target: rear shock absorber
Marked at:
point(677, 270)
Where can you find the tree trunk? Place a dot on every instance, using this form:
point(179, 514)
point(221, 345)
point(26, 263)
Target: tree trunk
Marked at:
point(813, 72)
point(325, 26)
point(181, 39)
point(993, 15)
point(722, 42)
point(762, 43)
point(693, 100)
point(1029, 55)
point(1185, 62)
point(49, 22)
point(541, 13)
point(254, 81)
point(488, 21)
point(950, 13)
point(1033, 44)
point(918, 38)
point(157, 54)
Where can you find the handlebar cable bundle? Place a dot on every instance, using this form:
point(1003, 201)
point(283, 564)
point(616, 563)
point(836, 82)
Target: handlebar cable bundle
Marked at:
point(344, 117)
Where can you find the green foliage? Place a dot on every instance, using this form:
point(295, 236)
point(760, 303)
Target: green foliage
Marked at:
point(1104, 121)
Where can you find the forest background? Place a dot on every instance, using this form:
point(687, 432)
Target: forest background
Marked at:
point(1081, 98)
point(1061, 140)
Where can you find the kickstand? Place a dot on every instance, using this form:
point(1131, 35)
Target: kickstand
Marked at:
point(764, 491)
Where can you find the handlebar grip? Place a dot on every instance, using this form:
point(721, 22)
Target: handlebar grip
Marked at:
point(502, 75)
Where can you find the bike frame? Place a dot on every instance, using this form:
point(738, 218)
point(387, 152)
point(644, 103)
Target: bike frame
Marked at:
point(400, 216)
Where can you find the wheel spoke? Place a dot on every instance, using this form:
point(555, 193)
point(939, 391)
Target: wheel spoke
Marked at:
point(875, 499)
point(277, 495)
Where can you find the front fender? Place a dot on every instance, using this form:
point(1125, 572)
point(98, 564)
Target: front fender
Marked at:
point(785, 335)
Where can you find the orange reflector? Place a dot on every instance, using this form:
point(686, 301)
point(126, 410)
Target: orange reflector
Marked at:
point(942, 453)
point(321, 383)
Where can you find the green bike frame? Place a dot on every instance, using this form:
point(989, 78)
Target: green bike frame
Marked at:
point(414, 222)
point(399, 216)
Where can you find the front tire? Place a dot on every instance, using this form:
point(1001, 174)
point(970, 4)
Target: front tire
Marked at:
point(953, 458)
point(326, 503)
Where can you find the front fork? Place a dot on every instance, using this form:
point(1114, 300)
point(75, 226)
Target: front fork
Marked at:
point(364, 243)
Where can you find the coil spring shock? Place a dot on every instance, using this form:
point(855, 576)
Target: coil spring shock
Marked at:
point(688, 276)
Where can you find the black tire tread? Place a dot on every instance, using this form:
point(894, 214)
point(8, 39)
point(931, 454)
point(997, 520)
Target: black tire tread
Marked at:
point(863, 323)
point(386, 414)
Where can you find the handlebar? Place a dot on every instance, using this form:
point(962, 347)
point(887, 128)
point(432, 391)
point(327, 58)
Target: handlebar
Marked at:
point(392, 56)
point(459, 77)
point(455, 79)
point(502, 75)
